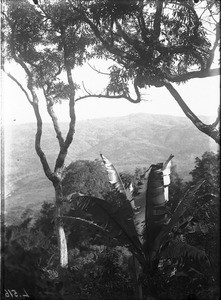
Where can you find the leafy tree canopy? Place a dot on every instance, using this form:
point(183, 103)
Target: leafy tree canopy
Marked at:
point(86, 177)
point(154, 43)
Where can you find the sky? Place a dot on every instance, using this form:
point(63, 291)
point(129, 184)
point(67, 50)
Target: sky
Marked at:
point(201, 95)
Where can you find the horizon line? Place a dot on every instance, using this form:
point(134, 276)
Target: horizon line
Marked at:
point(15, 122)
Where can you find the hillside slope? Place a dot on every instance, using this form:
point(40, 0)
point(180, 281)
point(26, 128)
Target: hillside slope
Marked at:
point(132, 141)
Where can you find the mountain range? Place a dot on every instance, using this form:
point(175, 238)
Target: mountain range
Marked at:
point(129, 142)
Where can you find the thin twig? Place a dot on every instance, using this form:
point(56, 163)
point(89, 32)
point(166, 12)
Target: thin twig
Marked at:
point(19, 84)
point(98, 71)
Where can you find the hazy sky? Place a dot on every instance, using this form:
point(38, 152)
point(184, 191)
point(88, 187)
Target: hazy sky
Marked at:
point(202, 96)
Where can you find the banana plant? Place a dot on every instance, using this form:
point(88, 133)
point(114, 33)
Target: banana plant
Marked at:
point(143, 223)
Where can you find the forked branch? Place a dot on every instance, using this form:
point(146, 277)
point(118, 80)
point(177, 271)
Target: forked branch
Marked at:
point(123, 95)
point(68, 140)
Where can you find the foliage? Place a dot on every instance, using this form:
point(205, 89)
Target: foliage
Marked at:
point(150, 40)
point(39, 39)
point(85, 176)
point(154, 43)
point(45, 221)
point(207, 167)
point(44, 46)
point(25, 31)
point(101, 272)
point(169, 245)
point(207, 210)
point(188, 261)
point(95, 271)
point(203, 231)
point(26, 259)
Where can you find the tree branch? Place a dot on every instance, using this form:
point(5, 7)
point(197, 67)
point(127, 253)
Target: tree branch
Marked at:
point(194, 74)
point(98, 71)
point(157, 20)
point(142, 25)
point(132, 42)
point(40, 153)
point(54, 119)
point(215, 45)
point(63, 151)
point(108, 97)
point(38, 149)
point(34, 102)
point(123, 95)
point(19, 84)
point(108, 46)
point(210, 130)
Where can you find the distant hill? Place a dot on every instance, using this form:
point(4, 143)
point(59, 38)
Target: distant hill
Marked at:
point(137, 140)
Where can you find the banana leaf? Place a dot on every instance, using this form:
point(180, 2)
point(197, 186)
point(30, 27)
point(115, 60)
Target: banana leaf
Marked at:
point(166, 176)
point(152, 214)
point(114, 178)
point(156, 212)
point(69, 220)
point(117, 221)
point(113, 175)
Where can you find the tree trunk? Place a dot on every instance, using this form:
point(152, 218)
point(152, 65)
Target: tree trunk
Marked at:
point(62, 242)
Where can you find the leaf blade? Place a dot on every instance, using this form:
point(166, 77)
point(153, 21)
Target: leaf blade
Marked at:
point(117, 221)
point(114, 177)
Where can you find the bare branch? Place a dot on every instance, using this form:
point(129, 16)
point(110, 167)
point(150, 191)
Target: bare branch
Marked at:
point(120, 96)
point(157, 20)
point(88, 92)
point(34, 102)
point(142, 25)
point(194, 74)
point(19, 84)
point(102, 96)
point(96, 70)
point(45, 165)
point(68, 140)
point(210, 130)
point(212, 14)
point(205, 9)
point(54, 118)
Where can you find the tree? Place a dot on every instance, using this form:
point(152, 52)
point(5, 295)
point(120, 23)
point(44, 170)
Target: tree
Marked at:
point(155, 43)
point(207, 210)
point(46, 43)
point(86, 177)
point(207, 167)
